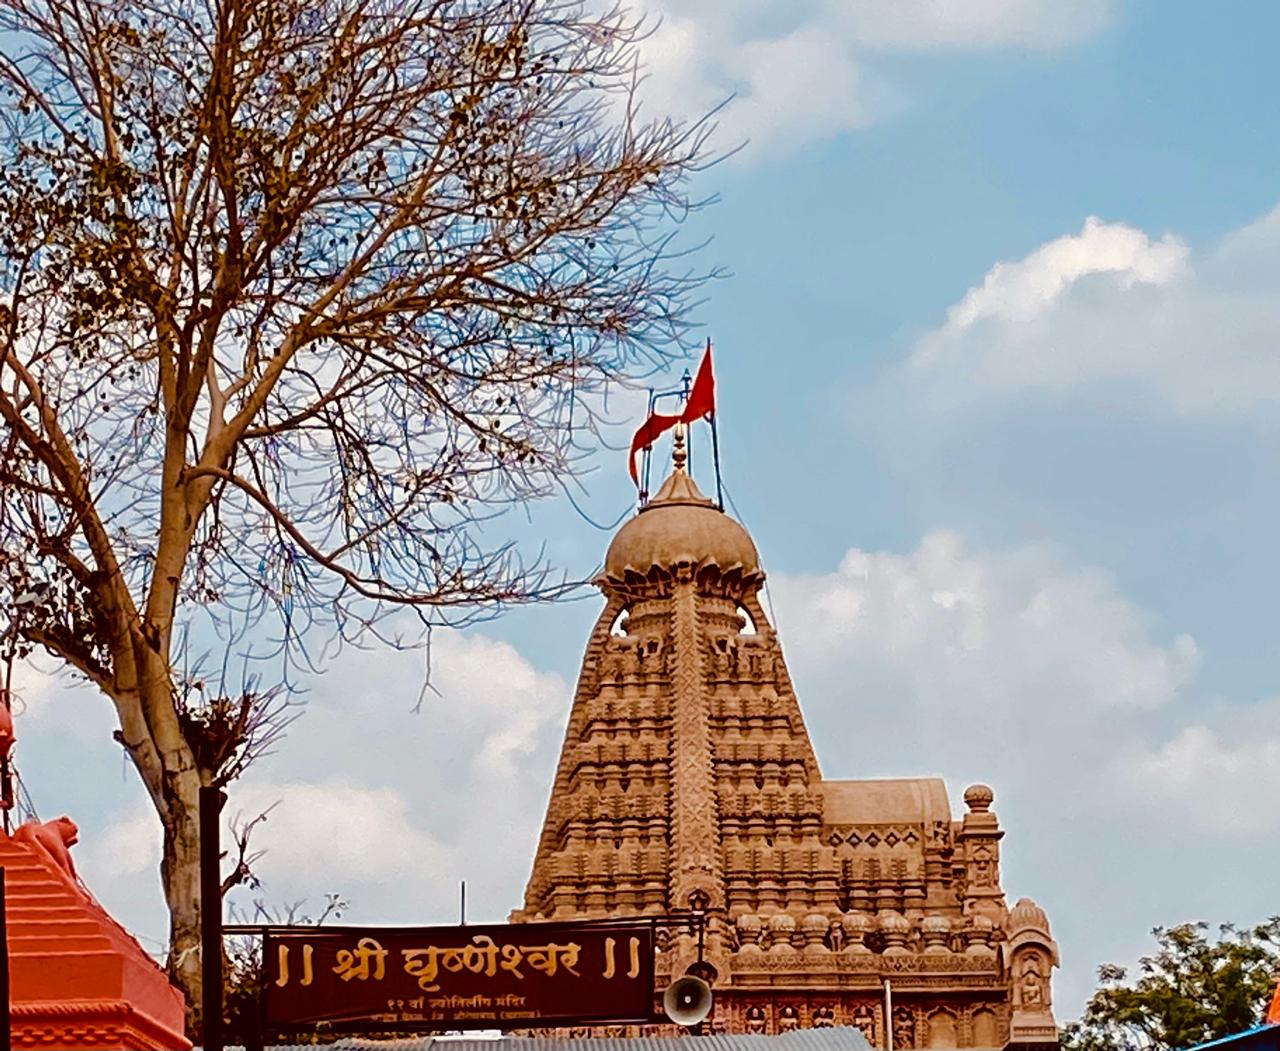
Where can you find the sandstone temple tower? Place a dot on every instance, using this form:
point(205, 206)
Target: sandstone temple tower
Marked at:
point(687, 780)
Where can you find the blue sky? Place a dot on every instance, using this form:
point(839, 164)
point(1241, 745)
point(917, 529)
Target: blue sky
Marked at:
point(998, 377)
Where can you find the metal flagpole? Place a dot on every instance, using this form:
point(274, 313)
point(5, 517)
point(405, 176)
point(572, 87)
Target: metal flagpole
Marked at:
point(648, 454)
point(715, 454)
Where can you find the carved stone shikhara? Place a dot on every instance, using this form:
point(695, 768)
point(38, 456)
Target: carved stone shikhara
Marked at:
point(687, 778)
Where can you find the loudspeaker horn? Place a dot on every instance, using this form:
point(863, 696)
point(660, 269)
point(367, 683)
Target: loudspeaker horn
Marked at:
point(687, 1000)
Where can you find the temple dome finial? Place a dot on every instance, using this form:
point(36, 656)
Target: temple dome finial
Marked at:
point(680, 526)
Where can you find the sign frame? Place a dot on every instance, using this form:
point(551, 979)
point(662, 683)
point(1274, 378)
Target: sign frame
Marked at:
point(278, 934)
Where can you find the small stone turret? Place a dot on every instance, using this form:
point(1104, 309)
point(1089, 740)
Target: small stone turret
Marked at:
point(1030, 955)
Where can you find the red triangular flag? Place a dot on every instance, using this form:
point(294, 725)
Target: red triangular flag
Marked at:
point(647, 435)
point(702, 395)
point(1273, 1012)
point(701, 402)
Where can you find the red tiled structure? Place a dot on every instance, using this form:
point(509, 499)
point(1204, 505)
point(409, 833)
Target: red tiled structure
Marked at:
point(77, 978)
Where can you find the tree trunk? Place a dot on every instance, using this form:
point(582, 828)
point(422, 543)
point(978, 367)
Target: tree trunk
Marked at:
point(180, 873)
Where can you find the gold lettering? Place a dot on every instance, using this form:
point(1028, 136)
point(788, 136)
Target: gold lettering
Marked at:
point(307, 975)
point(481, 957)
point(609, 943)
point(356, 963)
point(511, 960)
point(424, 969)
point(547, 958)
point(570, 957)
point(635, 959)
point(283, 979)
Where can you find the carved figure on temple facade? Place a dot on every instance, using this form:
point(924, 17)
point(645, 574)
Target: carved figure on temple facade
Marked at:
point(864, 1018)
point(983, 868)
point(904, 1027)
point(824, 1017)
point(835, 936)
point(1031, 983)
point(788, 1019)
point(755, 1019)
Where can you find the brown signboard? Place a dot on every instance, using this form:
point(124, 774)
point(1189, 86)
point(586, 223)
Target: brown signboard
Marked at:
point(473, 977)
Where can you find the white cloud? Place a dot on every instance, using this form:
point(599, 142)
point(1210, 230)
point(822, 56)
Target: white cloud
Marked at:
point(1025, 290)
point(1223, 780)
point(41, 691)
point(392, 808)
point(799, 71)
point(1044, 680)
point(131, 847)
point(925, 24)
point(982, 637)
point(337, 834)
point(1112, 312)
point(792, 80)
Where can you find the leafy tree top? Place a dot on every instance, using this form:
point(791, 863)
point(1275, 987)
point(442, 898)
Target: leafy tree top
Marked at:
point(1192, 989)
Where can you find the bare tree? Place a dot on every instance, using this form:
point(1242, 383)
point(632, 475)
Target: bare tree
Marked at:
point(299, 295)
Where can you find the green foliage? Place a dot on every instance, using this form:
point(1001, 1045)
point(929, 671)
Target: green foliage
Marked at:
point(1189, 991)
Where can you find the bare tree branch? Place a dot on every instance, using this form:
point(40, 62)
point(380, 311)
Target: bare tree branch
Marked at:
point(297, 299)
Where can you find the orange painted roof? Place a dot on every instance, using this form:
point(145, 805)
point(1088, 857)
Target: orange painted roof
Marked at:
point(70, 962)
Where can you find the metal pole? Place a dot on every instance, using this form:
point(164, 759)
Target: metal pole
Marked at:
point(211, 800)
point(686, 381)
point(462, 903)
point(648, 455)
point(888, 1015)
point(715, 453)
point(5, 1040)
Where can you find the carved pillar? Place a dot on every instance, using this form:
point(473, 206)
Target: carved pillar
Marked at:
point(979, 849)
point(695, 861)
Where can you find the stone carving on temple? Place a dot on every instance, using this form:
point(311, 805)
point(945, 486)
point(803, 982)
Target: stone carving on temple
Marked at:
point(687, 777)
point(788, 1019)
point(864, 1018)
point(904, 1027)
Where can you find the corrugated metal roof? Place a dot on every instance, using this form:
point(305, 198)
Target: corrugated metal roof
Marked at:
point(827, 1039)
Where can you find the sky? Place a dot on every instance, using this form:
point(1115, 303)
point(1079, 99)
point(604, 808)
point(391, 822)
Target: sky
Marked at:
point(998, 377)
